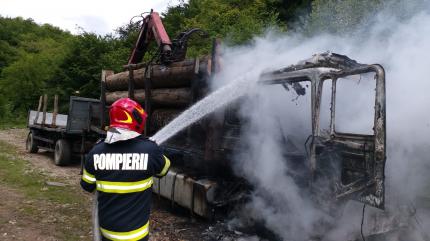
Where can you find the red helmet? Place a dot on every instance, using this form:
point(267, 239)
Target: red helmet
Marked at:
point(127, 113)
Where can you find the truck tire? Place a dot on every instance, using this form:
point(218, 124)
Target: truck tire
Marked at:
point(30, 144)
point(62, 153)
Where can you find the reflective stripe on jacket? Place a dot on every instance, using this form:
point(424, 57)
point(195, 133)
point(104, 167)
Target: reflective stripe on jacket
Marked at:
point(122, 172)
point(134, 235)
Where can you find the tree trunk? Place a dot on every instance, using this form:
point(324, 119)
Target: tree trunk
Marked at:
point(178, 97)
point(177, 74)
point(161, 117)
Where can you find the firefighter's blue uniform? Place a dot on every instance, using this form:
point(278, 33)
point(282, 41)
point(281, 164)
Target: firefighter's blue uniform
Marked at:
point(122, 173)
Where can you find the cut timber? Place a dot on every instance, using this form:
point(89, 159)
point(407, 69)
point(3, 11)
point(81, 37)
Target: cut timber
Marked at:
point(178, 97)
point(177, 74)
point(161, 117)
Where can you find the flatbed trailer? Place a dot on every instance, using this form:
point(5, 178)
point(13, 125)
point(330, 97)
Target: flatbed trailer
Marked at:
point(67, 136)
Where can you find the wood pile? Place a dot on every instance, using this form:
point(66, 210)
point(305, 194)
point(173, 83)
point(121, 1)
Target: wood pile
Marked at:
point(170, 87)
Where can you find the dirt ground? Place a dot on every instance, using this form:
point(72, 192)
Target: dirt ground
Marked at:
point(17, 224)
point(42, 160)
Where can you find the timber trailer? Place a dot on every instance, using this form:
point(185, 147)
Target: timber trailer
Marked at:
point(201, 178)
point(65, 135)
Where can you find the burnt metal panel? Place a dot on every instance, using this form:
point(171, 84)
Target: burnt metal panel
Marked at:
point(183, 190)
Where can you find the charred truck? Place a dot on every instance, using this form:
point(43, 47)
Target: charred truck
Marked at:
point(201, 178)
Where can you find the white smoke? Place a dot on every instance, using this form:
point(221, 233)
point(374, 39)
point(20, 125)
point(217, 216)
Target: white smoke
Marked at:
point(402, 46)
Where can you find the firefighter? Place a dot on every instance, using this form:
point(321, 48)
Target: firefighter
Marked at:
point(121, 169)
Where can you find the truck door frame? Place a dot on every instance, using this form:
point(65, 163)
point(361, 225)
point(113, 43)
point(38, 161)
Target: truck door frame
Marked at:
point(372, 192)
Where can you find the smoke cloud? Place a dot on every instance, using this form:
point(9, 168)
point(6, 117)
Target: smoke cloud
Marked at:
point(398, 39)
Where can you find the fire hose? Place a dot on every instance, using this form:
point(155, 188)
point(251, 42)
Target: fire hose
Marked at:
point(95, 218)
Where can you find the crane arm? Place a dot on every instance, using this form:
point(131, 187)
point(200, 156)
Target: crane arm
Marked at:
point(152, 28)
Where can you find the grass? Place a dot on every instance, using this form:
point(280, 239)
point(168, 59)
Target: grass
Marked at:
point(68, 203)
point(9, 124)
point(19, 174)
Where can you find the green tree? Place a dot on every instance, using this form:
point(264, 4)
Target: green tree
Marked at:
point(88, 55)
point(236, 21)
point(29, 57)
point(291, 12)
point(25, 79)
point(340, 16)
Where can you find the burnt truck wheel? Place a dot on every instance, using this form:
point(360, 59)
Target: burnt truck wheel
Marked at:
point(30, 144)
point(62, 153)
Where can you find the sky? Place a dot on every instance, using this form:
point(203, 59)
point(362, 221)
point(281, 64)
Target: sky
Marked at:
point(96, 16)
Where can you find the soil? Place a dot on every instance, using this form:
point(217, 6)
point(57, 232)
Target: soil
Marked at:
point(15, 224)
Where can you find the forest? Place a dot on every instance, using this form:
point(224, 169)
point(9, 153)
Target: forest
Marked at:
point(38, 59)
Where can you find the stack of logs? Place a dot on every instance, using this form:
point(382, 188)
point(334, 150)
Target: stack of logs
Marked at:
point(172, 88)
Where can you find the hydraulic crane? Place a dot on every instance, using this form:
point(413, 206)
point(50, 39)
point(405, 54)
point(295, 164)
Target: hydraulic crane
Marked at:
point(169, 51)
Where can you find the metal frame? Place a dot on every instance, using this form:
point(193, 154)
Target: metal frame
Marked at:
point(333, 66)
point(73, 100)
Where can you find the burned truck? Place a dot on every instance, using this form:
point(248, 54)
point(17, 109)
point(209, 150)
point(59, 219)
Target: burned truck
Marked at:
point(360, 157)
point(202, 179)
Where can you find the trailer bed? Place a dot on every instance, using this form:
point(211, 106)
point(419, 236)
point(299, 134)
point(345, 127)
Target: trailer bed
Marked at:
point(61, 122)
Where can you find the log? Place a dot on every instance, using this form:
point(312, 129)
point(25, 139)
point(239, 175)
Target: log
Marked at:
point(39, 107)
point(161, 117)
point(54, 114)
point(178, 97)
point(175, 75)
point(45, 106)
